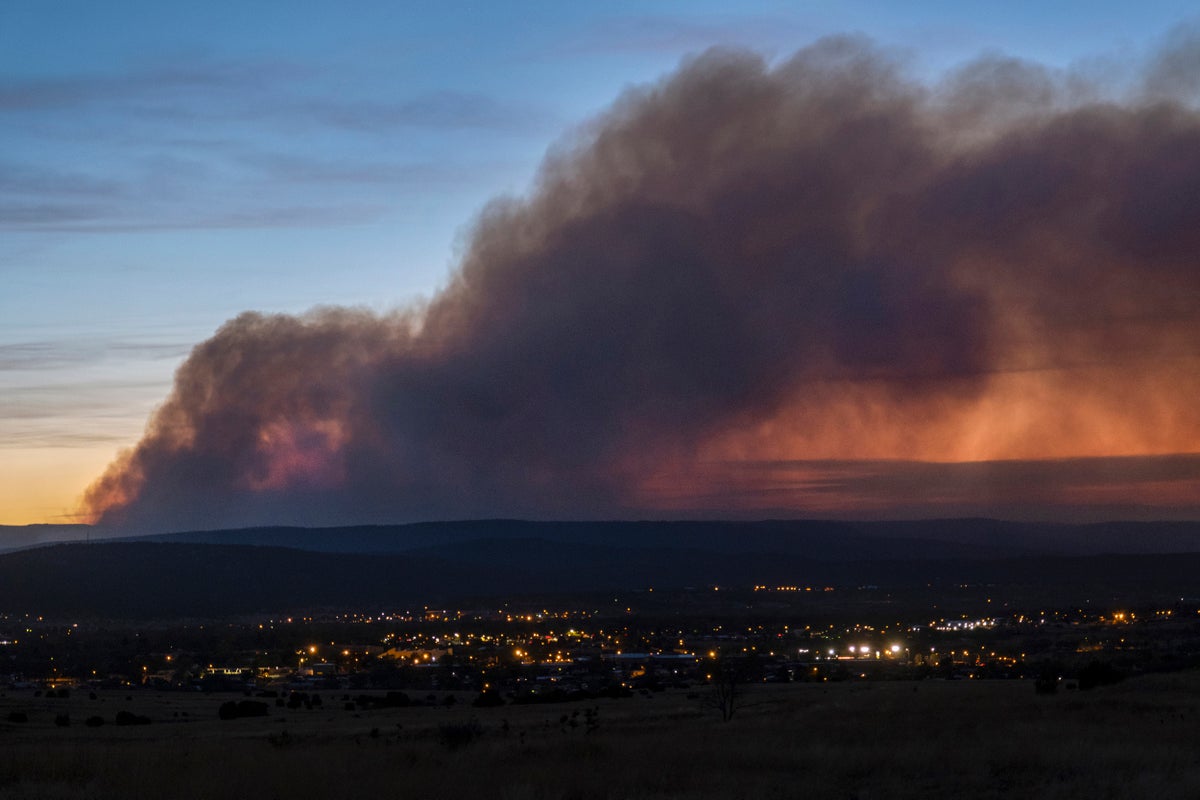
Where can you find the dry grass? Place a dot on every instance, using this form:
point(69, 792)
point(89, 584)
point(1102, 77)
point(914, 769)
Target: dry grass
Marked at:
point(882, 740)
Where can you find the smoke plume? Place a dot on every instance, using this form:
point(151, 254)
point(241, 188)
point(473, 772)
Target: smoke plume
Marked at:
point(820, 259)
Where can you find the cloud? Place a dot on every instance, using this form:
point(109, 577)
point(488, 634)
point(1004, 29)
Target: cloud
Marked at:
point(1075, 489)
point(168, 83)
point(95, 219)
point(31, 180)
point(820, 259)
point(166, 144)
point(18, 216)
point(56, 354)
point(99, 403)
point(442, 110)
point(664, 33)
point(201, 90)
point(303, 170)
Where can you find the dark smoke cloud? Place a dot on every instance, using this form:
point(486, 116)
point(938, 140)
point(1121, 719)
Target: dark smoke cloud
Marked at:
point(820, 259)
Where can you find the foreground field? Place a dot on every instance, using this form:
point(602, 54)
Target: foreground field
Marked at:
point(867, 740)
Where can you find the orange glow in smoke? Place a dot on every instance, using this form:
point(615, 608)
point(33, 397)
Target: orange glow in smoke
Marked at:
point(298, 455)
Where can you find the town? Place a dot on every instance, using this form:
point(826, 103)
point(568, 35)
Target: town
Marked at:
point(563, 648)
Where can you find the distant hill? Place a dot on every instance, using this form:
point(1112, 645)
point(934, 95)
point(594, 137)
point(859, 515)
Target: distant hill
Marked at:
point(159, 580)
point(221, 573)
point(1048, 537)
point(825, 541)
point(154, 579)
point(822, 540)
point(17, 537)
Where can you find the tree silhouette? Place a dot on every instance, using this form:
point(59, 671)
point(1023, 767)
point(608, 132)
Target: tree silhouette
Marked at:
point(725, 685)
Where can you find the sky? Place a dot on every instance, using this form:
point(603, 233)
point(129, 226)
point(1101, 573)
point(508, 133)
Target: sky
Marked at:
point(468, 188)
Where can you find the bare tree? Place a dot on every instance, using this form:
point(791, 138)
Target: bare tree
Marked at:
point(725, 685)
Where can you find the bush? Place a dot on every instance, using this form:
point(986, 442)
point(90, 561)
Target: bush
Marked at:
point(455, 737)
point(94, 722)
point(129, 718)
point(489, 698)
point(1047, 679)
point(390, 700)
point(242, 708)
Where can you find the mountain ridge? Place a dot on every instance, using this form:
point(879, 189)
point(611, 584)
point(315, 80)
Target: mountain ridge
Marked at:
point(147, 579)
point(937, 538)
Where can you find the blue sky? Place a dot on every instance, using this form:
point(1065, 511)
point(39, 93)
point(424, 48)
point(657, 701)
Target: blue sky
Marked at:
point(164, 166)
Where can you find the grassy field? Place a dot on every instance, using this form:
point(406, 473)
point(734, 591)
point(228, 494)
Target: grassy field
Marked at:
point(930, 739)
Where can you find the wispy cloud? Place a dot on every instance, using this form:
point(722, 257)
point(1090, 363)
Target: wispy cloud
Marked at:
point(254, 92)
point(1152, 486)
point(27, 179)
point(14, 216)
point(443, 110)
point(97, 219)
point(55, 354)
point(670, 34)
point(207, 145)
point(317, 170)
point(77, 392)
point(109, 412)
point(140, 83)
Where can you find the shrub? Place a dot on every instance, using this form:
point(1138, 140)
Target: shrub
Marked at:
point(1047, 679)
point(457, 736)
point(282, 740)
point(390, 700)
point(488, 698)
point(242, 708)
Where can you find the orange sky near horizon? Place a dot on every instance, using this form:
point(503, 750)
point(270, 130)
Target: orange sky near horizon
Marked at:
point(45, 485)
